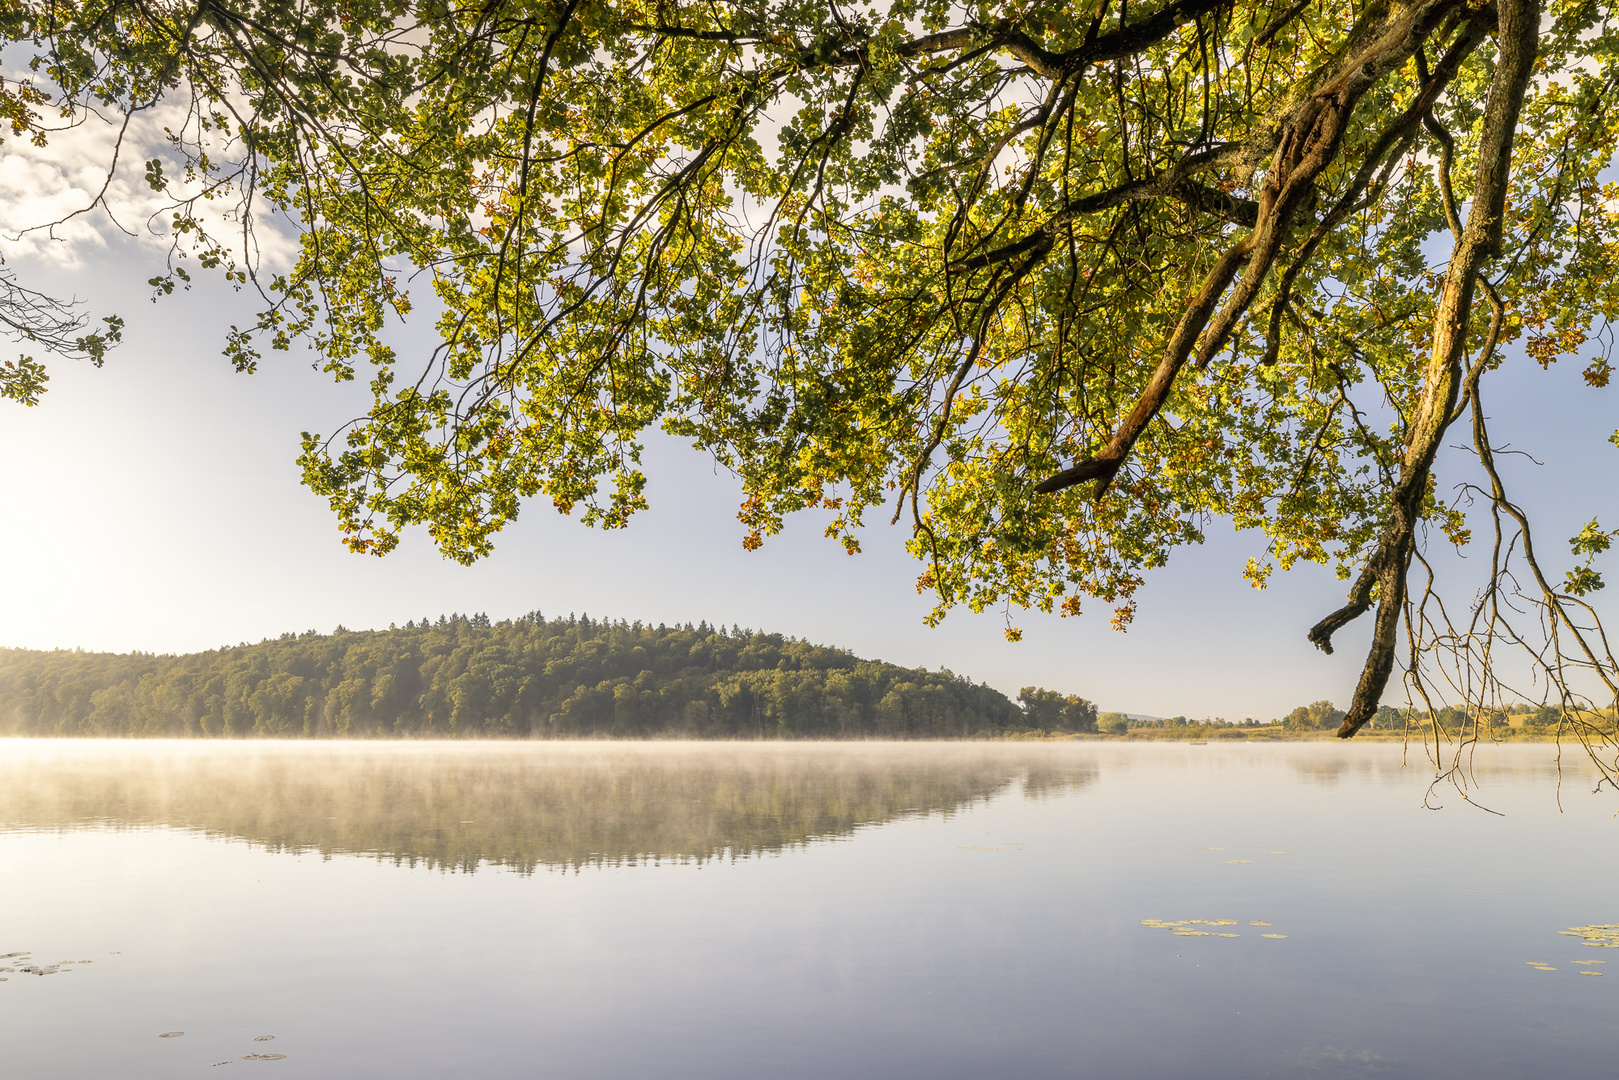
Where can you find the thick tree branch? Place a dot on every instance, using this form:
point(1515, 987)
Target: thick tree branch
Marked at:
point(1480, 240)
point(1307, 144)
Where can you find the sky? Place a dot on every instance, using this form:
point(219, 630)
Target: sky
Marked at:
point(154, 505)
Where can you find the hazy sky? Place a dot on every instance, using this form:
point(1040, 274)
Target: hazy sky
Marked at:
point(154, 505)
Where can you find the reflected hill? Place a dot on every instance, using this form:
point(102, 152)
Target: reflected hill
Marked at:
point(519, 805)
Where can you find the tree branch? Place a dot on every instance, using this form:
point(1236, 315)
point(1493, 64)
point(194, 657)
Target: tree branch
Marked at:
point(1480, 240)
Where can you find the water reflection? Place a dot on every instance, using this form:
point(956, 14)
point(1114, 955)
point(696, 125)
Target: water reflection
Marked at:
point(522, 806)
point(1327, 764)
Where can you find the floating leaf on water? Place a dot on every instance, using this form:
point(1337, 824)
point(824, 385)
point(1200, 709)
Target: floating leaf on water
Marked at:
point(1224, 922)
point(171, 1034)
point(1597, 936)
point(263, 1038)
point(1256, 922)
point(1588, 961)
point(1280, 853)
point(262, 1057)
point(1273, 935)
point(217, 1064)
point(1598, 973)
point(1227, 935)
point(1193, 933)
point(1239, 860)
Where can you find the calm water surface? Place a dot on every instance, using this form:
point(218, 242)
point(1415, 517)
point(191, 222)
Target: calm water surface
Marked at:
point(785, 911)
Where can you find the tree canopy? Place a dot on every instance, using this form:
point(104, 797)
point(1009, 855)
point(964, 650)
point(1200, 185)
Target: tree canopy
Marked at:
point(1057, 283)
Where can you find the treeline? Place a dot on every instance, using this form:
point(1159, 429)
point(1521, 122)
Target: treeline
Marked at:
point(1323, 715)
point(527, 677)
point(1525, 716)
point(1316, 716)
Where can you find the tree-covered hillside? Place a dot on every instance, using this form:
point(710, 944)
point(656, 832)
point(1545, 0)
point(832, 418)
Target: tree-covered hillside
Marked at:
point(464, 676)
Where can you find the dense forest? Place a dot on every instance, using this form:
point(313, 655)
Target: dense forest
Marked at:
point(529, 677)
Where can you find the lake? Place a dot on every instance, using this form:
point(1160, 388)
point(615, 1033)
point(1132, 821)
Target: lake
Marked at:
point(672, 910)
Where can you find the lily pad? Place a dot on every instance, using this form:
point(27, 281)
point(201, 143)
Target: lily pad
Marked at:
point(1598, 935)
point(171, 1034)
point(1273, 935)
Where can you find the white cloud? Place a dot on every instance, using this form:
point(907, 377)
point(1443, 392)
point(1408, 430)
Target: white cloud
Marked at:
point(66, 182)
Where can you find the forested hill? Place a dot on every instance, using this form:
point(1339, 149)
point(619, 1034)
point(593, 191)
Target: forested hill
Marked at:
point(466, 676)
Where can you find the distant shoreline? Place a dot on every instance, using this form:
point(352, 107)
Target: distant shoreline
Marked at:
point(1263, 734)
point(1183, 737)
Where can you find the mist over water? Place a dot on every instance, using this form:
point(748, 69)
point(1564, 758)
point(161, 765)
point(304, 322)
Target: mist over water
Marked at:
point(519, 805)
point(800, 910)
